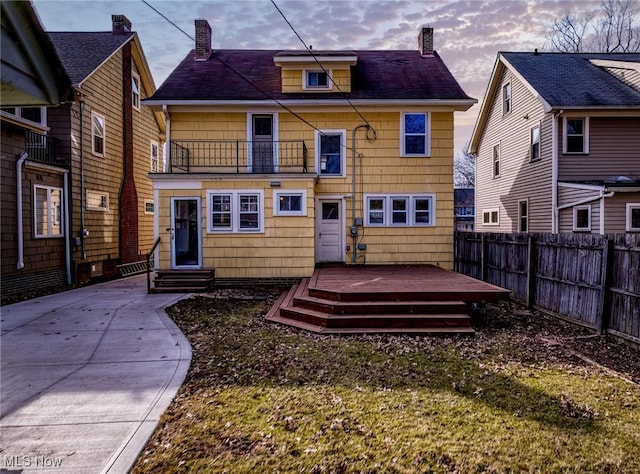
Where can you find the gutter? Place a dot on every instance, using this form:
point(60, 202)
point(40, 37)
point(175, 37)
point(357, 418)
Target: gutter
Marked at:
point(21, 159)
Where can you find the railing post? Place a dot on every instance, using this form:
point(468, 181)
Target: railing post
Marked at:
point(238, 157)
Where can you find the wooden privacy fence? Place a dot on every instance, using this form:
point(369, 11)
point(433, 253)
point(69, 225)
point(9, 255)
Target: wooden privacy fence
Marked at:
point(593, 280)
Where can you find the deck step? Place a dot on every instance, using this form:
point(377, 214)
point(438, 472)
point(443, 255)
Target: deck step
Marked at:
point(183, 281)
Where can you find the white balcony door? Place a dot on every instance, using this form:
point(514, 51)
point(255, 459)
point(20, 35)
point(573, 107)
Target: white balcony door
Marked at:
point(262, 144)
point(329, 230)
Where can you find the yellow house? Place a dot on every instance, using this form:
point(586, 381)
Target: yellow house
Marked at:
point(279, 160)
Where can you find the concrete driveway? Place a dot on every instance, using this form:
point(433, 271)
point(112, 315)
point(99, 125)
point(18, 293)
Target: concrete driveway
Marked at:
point(85, 376)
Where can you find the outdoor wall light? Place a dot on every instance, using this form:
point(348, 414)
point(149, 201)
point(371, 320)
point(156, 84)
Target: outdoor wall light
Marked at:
point(275, 184)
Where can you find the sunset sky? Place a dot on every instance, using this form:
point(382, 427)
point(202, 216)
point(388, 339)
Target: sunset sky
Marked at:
point(467, 34)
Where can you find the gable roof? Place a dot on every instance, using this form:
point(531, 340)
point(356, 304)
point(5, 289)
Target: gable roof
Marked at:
point(565, 81)
point(377, 75)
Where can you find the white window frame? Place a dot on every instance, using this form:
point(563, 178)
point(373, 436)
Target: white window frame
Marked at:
point(97, 196)
point(522, 216)
point(235, 211)
point(156, 162)
point(343, 144)
point(427, 135)
point(490, 213)
point(94, 116)
point(50, 214)
point(585, 135)
point(630, 207)
point(495, 160)
point(136, 97)
point(387, 209)
point(153, 207)
point(507, 98)
point(289, 192)
point(305, 79)
point(575, 218)
point(17, 111)
point(532, 143)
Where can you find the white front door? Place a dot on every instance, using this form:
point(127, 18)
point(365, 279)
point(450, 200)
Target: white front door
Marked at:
point(329, 230)
point(185, 233)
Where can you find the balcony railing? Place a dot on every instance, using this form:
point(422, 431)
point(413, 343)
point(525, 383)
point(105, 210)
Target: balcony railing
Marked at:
point(42, 148)
point(238, 156)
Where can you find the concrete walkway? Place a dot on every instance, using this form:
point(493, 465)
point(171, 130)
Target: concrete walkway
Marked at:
point(85, 376)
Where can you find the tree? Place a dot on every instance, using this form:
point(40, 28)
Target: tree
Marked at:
point(616, 29)
point(464, 169)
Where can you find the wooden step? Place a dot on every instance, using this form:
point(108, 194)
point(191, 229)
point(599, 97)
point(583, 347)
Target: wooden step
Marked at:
point(183, 281)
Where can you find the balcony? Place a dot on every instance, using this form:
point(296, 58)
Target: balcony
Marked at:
point(238, 156)
point(42, 148)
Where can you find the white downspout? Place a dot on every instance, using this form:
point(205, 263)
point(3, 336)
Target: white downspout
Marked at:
point(21, 159)
point(554, 174)
point(167, 142)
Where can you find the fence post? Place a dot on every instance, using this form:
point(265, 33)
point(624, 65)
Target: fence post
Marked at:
point(455, 251)
point(484, 256)
point(531, 271)
point(604, 309)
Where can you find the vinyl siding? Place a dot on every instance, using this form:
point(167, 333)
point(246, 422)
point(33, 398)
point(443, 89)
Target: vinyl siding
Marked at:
point(519, 178)
point(568, 196)
point(615, 211)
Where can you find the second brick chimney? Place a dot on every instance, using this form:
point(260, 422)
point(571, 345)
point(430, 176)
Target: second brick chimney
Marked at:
point(120, 25)
point(425, 41)
point(203, 40)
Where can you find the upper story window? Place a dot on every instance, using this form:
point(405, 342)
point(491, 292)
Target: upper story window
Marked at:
point(33, 114)
point(97, 134)
point(316, 80)
point(582, 219)
point(414, 134)
point(48, 211)
point(135, 90)
point(330, 146)
point(535, 143)
point(633, 217)
point(155, 158)
point(496, 161)
point(575, 138)
point(506, 99)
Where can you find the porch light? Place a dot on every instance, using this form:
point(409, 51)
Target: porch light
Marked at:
point(275, 184)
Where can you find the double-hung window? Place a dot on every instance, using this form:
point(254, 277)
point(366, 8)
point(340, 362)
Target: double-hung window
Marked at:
point(330, 146)
point(575, 138)
point(582, 219)
point(97, 134)
point(399, 210)
point(633, 217)
point(375, 210)
point(135, 91)
point(415, 134)
point(155, 158)
point(496, 161)
point(535, 143)
point(506, 99)
point(235, 211)
point(48, 211)
point(523, 216)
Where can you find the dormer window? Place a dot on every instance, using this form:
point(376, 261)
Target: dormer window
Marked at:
point(316, 80)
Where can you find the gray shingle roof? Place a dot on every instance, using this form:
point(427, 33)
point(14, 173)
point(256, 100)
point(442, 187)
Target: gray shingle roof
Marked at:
point(377, 75)
point(82, 52)
point(571, 80)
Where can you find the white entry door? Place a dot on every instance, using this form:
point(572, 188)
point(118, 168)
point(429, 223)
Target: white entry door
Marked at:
point(329, 230)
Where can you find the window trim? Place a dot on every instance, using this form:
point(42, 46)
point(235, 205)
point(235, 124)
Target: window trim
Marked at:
point(343, 143)
point(507, 99)
point(17, 112)
point(628, 222)
point(135, 78)
point(53, 215)
point(525, 216)
point(490, 212)
point(102, 196)
point(575, 218)
point(289, 192)
point(387, 211)
point(539, 143)
point(159, 168)
point(95, 115)
point(305, 79)
point(153, 206)
point(427, 134)
point(495, 160)
point(585, 135)
point(235, 194)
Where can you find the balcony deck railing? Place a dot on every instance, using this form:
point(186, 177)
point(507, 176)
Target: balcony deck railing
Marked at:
point(238, 156)
point(42, 148)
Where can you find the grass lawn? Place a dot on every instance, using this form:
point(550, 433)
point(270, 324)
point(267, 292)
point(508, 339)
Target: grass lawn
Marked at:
point(520, 396)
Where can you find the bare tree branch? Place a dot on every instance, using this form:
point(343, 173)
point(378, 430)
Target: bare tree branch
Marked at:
point(464, 169)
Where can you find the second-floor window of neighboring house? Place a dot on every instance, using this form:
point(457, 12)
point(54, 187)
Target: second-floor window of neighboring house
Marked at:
point(575, 137)
point(535, 143)
point(316, 80)
point(415, 134)
point(155, 158)
point(496, 161)
point(135, 91)
point(33, 114)
point(97, 134)
point(633, 217)
point(48, 211)
point(523, 216)
point(506, 98)
point(582, 218)
point(330, 152)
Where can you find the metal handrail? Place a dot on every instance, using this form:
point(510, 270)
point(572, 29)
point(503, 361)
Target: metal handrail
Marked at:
point(153, 249)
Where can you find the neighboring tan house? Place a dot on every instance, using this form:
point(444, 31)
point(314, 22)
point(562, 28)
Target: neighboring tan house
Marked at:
point(109, 142)
point(464, 210)
point(33, 176)
point(558, 144)
point(283, 159)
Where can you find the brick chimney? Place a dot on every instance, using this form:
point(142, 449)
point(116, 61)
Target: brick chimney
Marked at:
point(121, 25)
point(203, 40)
point(425, 41)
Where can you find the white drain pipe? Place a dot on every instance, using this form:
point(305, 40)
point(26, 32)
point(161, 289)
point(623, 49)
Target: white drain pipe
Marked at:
point(21, 159)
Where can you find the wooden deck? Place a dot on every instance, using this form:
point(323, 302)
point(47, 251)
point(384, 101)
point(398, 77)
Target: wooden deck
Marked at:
point(383, 299)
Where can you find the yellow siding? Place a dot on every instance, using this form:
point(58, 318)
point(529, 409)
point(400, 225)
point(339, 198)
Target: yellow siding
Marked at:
point(292, 80)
